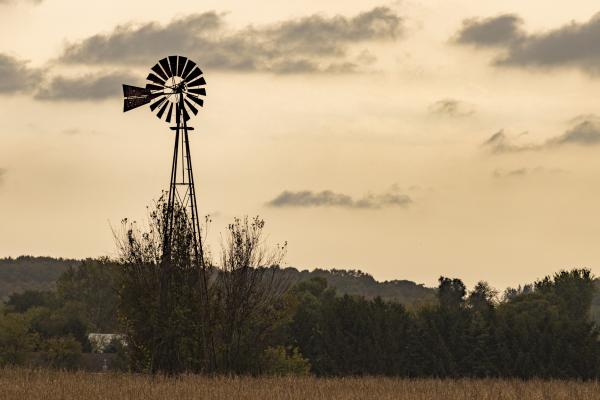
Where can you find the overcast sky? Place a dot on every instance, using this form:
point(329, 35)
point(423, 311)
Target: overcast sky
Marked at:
point(407, 139)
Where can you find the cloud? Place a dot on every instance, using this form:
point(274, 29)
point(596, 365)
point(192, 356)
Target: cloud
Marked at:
point(451, 108)
point(573, 45)
point(523, 172)
point(584, 131)
point(496, 31)
point(511, 173)
point(85, 87)
point(327, 198)
point(500, 142)
point(310, 44)
point(15, 76)
point(36, 2)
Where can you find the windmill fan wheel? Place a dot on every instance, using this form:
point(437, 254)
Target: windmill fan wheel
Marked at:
point(175, 88)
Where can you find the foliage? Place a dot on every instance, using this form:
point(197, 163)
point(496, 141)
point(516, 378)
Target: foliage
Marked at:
point(280, 361)
point(161, 296)
point(30, 273)
point(42, 274)
point(183, 313)
point(21, 302)
point(93, 285)
point(48, 324)
point(62, 352)
point(542, 333)
point(15, 340)
point(246, 295)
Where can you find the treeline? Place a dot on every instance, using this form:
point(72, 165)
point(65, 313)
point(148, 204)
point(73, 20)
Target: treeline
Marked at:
point(41, 273)
point(31, 273)
point(541, 330)
point(544, 331)
point(54, 324)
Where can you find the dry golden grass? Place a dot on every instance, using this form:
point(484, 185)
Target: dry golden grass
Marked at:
point(41, 384)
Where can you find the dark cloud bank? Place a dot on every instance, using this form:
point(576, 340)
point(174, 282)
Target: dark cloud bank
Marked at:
point(328, 198)
point(572, 45)
point(309, 44)
point(16, 76)
point(584, 131)
point(312, 44)
point(86, 87)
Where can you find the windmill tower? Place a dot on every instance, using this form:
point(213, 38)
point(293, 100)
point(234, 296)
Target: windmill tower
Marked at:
point(175, 88)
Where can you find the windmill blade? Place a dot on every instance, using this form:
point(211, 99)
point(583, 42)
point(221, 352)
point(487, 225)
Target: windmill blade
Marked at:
point(186, 115)
point(194, 74)
point(173, 63)
point(156, 104)
point(159, 71)
point(154, 87)
point(170, 112)
point(196, 100)
point(198, 82)
point(163, 109)
point(153, 78)
point(164, 63)
point(198, 91)
point(191, 106)
point(181, 65)
point(134, 91)
point(188, 68)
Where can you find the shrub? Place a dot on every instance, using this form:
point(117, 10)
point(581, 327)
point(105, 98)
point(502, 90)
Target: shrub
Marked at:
point(62, 352)
point(279, 361)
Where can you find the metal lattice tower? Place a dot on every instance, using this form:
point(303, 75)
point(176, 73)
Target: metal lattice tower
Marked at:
point(176, 87)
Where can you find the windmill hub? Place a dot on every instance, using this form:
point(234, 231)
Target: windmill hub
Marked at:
point(175, 88)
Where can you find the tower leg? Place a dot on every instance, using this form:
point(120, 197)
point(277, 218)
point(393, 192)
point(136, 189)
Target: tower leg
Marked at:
point(168, 218)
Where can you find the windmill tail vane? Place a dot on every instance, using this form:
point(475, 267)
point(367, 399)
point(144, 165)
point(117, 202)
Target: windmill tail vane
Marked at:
point(175, 90)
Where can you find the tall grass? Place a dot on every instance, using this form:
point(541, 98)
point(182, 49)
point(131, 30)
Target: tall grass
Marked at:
point(44, 384)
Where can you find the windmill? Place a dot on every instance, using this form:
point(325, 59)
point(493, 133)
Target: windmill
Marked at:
point(175, 88)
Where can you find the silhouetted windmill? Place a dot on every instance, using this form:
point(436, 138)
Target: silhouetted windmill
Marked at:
point(176, 86)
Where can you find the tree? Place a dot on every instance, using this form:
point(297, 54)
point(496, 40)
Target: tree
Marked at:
point(481, 298)
point(249, 294)
point(280, 361)
point(93, 284)
point(349, 335)
point(62, 352)
point(182, 312)
point(547, 333)
point(451, 293)
point(46, 323)
point(161, 296)
point(15, 339)
point(21, 302)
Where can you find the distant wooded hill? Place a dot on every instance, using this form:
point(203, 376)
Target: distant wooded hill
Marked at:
point(31, 273)
point(40, 273)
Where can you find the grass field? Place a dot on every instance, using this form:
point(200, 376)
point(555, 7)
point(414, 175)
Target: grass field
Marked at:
point(28, 384)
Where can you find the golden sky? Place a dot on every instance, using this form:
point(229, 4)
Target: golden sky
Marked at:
point(407, 139)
